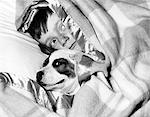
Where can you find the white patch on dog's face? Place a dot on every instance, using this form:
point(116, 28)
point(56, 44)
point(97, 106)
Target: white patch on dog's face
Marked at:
point(53, 80)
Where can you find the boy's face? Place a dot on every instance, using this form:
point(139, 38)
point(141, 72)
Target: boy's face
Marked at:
point(58, 35)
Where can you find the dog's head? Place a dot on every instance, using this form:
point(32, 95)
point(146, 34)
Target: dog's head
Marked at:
point(61, 71)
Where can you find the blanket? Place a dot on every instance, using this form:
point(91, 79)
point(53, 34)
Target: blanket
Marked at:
point(120, 29)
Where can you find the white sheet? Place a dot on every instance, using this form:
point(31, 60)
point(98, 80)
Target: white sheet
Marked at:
point(20, 54)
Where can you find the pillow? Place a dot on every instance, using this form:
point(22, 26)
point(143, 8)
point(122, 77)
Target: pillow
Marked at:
point(20, 53)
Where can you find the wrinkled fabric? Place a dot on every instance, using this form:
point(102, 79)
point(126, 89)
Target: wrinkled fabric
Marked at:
point(121, 32)
point(81, 42)
point(21, 58)
point(123, 36)
point(28, 88)
point(29, 14)
point(124, 44)
point(50, 100)
point(17, 50)
point(18, 97)
point(125, 39)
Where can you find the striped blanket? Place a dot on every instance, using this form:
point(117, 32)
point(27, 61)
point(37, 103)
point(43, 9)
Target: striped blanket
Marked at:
point(121, 30)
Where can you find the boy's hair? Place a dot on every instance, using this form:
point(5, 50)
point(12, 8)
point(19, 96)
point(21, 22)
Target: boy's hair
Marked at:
point(39, 22)
point(39, 26)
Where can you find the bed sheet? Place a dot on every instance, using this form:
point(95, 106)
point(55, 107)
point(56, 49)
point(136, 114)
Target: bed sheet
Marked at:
point(20, 56)
point(20, 53)
point(124, 38)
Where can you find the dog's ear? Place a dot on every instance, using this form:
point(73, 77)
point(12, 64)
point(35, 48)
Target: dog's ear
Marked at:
point(87, 61)
point(45, 49)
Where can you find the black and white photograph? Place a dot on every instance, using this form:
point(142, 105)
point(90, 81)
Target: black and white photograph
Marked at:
point(74, 58)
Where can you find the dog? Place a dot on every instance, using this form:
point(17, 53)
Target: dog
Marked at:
point(67, 70)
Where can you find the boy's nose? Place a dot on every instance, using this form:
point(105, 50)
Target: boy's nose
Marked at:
point(64, 40)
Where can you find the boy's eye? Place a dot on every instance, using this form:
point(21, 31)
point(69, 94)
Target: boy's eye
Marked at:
point(61, 27)
point(53, 42)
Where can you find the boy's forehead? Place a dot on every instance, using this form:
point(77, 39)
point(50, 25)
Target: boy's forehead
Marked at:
point(58, 15)
point(52, 23)
point(53, 18)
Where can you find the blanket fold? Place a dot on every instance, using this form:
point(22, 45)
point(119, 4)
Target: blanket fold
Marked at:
point(94, 22)
point(119, 29)
point(124, 38)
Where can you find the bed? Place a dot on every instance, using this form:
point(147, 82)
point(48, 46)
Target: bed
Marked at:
point(118, 28)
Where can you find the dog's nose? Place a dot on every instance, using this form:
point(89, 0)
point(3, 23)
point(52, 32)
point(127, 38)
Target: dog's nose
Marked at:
point(39, 76)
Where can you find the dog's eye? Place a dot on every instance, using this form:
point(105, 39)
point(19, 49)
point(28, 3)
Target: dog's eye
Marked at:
point(60, 62)
point(57, 64)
